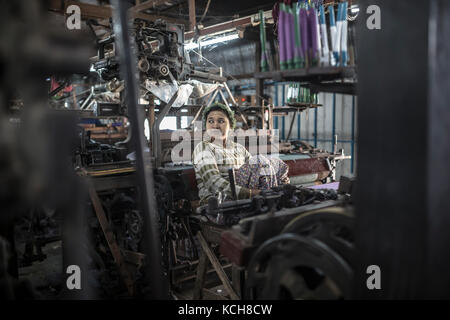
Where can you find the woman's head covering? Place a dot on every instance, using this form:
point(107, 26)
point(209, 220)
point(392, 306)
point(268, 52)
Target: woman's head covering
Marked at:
point(220, 107)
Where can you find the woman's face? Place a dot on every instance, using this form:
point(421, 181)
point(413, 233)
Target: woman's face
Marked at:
point(217, 120)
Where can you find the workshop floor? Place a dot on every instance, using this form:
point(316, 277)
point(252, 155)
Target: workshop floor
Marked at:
point(46, 276)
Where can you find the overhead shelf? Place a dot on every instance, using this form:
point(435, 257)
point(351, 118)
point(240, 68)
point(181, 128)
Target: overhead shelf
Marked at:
point(318, 79)
point(294, 108)
point(333, 87)
point(309, 74)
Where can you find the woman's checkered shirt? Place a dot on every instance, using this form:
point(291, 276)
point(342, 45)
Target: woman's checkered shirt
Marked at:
point(211, 163)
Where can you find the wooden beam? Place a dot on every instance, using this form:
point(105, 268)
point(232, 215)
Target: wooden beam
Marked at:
point(192, 18)
point(200, 280)
point(90, 11)
point(150, 4)
point(111, 240)
point(217, 266)
point(87, 10)
point(151, 17)
point(221, 27)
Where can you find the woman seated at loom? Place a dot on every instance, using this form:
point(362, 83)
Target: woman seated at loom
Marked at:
point(217, 153)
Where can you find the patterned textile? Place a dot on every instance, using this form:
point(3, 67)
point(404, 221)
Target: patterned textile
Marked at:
point(262, 173)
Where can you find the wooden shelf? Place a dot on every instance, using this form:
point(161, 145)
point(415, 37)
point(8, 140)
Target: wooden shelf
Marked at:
point(309, 74)
point(297, 107)
point(303, 105)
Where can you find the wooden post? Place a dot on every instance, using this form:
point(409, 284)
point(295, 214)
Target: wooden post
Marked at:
point(216, 264)
point(201, 273)
point(192, 18)
point(237, 278)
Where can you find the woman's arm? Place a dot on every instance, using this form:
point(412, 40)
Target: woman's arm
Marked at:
point(205, 166)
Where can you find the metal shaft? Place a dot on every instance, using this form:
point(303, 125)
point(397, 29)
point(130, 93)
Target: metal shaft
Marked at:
point(152, 245)
point(232, 183)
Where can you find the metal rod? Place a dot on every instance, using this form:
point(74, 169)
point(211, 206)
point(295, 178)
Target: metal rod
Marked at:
point(61, 87)
point(333, 132)
point(315, 128)
point(276, 104)
point(213, 97)
point(238, 106)
point(292, 125)
point(196, 115)
point(232, 183)
point(283, 101)
point(353, 135)
point(326, 140)
point(238, 109)
point(152, 244)
point(155, 130)
point(87, 99)
point(206, 75)
point(223, 97)
point(230, 94)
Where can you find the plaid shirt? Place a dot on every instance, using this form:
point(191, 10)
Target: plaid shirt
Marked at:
point(211, 163)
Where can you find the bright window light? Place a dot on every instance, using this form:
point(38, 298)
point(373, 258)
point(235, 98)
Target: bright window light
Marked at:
point(184, 122)
point(168, 123)
point(354, 9)
point(193, 45)
point(147, 129)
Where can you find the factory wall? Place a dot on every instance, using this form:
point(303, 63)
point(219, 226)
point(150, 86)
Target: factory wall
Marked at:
point(305, 127)
point(235, 57)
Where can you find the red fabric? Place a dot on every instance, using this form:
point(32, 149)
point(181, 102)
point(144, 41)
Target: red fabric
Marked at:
point(55, 84)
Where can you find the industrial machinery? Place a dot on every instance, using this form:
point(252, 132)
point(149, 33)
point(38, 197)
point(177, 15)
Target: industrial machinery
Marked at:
point(111, 240)
point(303, 250)
point(160, 54)
point(159, 48)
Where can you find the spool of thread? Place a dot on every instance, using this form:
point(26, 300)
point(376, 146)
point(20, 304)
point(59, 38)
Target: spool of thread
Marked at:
point(288, 38)
point(281, 36)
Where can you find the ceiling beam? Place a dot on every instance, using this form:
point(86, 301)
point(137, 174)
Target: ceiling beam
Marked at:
point(152, 17)
point(150, 4)
point(239, 23)
point(221, 27)
point(90, 11)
